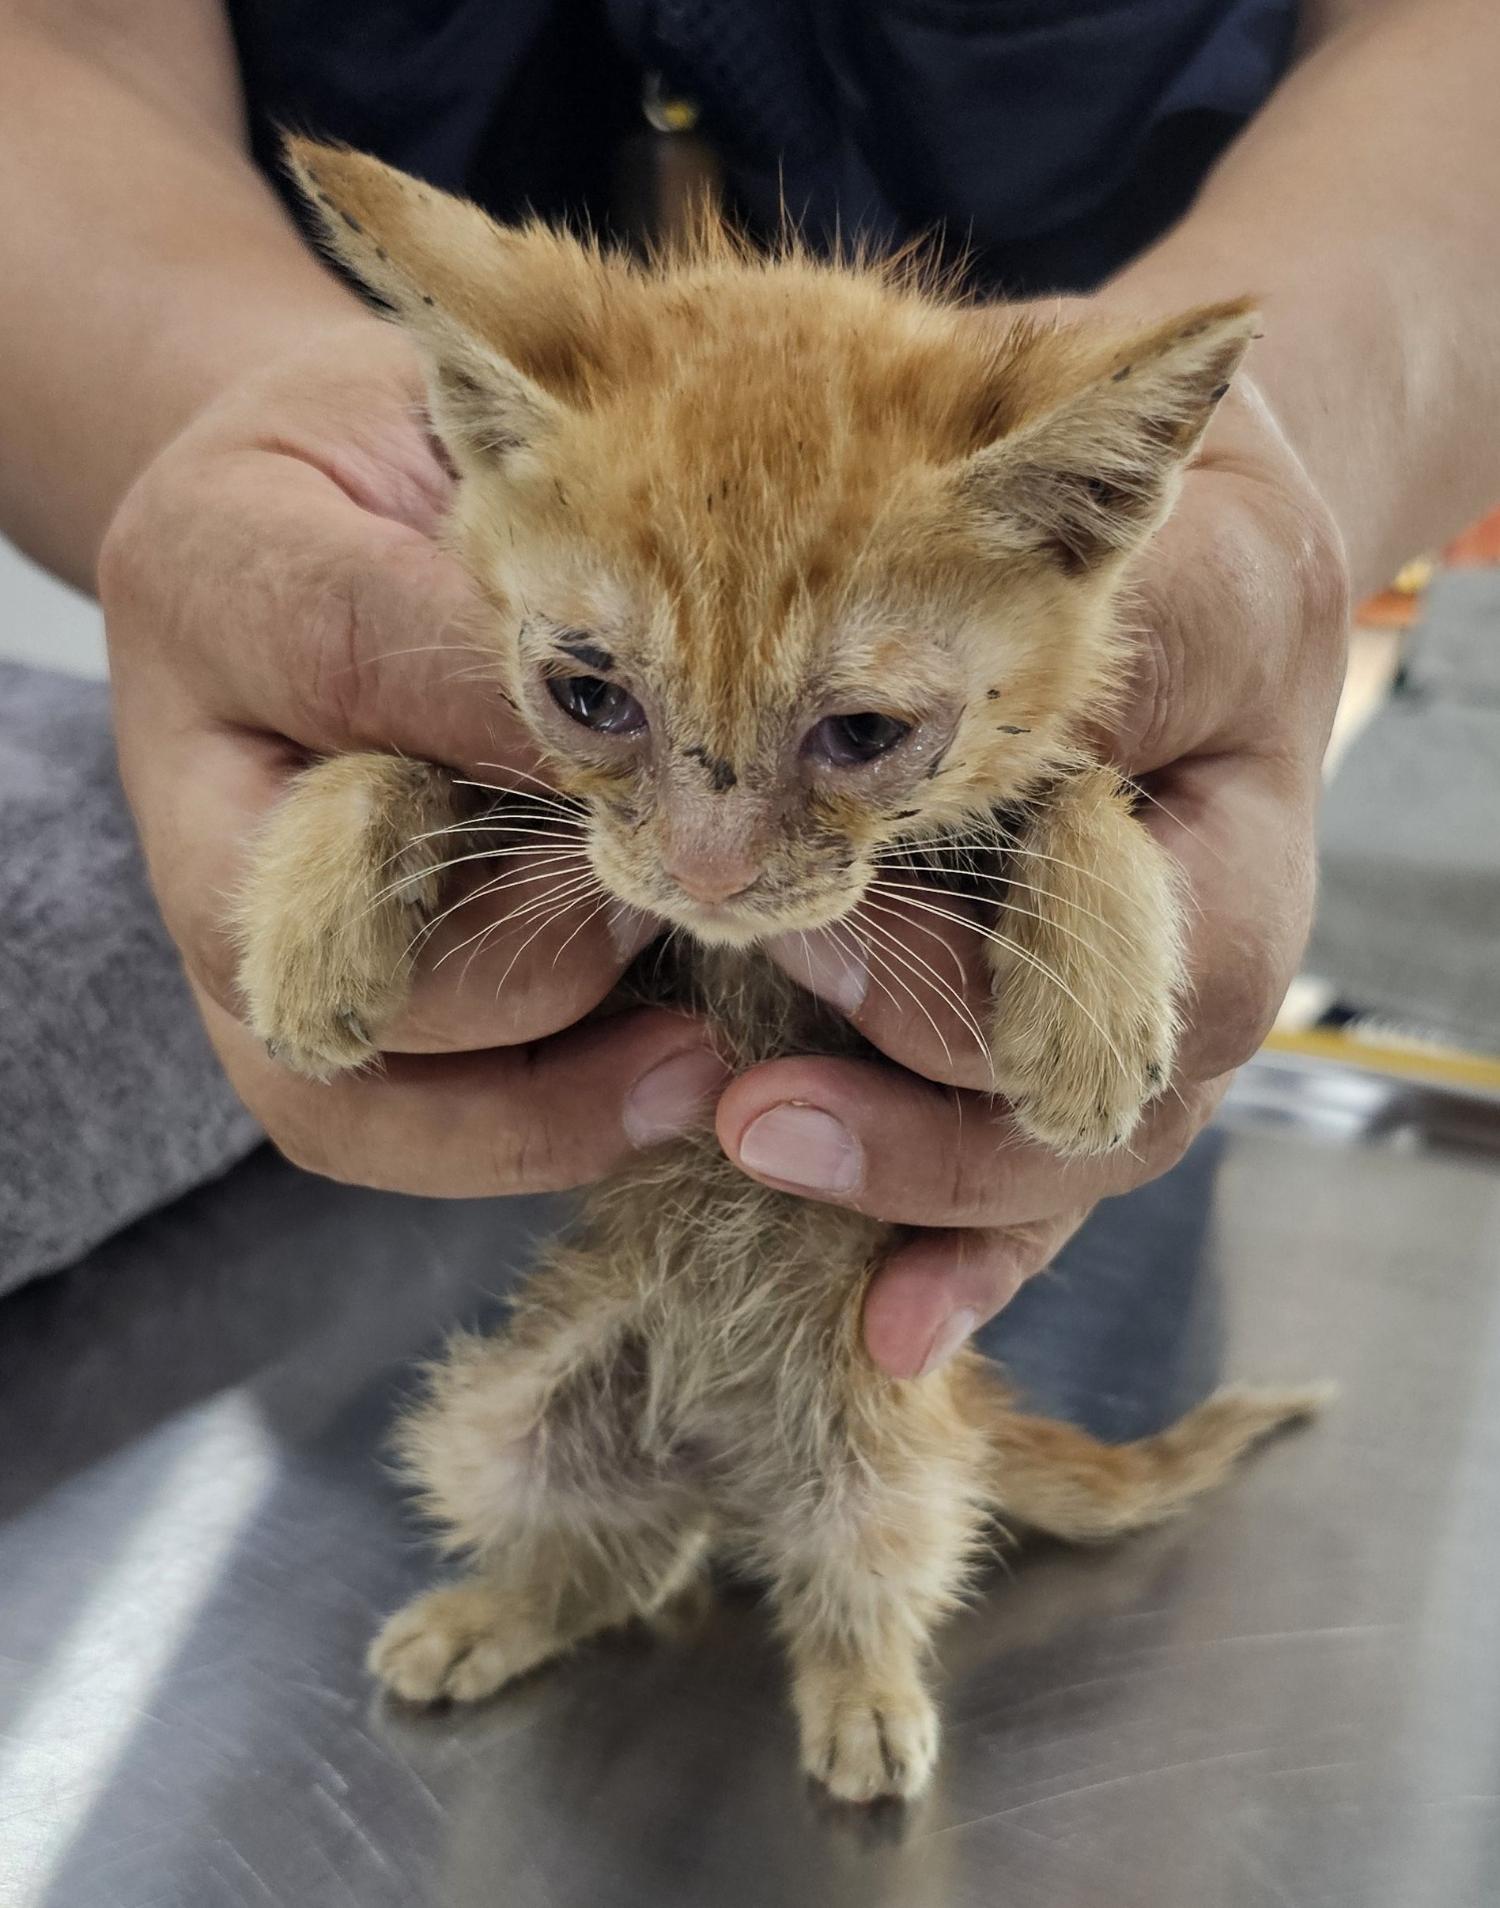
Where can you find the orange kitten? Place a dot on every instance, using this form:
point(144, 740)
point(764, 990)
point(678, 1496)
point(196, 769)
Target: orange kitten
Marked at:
point(798, 572)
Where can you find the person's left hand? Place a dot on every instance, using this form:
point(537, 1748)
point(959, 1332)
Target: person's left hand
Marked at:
point(1245, 598)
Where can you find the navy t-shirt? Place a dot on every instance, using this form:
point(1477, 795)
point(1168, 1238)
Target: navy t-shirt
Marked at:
point(1053, 137)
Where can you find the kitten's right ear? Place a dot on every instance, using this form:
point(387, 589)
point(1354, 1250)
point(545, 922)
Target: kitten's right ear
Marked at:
point(508, 319)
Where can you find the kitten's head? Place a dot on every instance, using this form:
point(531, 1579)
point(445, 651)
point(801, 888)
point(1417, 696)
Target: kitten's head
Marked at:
point(790, 562)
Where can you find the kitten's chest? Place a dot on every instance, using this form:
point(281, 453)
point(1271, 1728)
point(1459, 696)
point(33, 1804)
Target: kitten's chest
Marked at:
point(758, 1012)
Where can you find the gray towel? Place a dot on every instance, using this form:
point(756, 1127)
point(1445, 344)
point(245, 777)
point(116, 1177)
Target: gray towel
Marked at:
point(1409, 912)
point(111, 1100)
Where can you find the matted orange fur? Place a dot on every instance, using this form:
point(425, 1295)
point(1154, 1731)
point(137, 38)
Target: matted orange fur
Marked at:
point(801, 573)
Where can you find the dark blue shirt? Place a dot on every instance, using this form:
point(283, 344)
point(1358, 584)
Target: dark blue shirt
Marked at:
point(1054, 137)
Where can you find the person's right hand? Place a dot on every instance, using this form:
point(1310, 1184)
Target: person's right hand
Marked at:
point(272, 592)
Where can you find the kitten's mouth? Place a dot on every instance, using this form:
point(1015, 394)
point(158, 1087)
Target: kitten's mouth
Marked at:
point(763, 911)
point(738, 923)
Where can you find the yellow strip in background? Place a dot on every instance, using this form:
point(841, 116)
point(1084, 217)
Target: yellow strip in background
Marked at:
point(1441, 1066)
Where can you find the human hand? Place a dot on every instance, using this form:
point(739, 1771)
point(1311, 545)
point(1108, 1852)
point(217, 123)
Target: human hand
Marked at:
point(1243, 616)
point(273, 591)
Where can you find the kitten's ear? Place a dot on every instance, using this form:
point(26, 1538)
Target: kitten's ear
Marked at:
point(509, 319)
point(1093, 475)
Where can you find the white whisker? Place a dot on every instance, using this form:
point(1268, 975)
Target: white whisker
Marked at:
point(945, 990)
point(916, 893)
point(1033, 961)
point(458, 861)
point(551, 906)
point(505, 878)
point(1008, 881)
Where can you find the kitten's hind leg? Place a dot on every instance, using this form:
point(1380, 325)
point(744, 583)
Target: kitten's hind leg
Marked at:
point(530, 1457)
point(862, 1568)
point(1054, 1478)
point(345, 872)
point(550, 1592)
point(1087, 968)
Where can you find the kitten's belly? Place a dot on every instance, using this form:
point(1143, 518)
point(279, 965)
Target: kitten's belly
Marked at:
point(746, 1300)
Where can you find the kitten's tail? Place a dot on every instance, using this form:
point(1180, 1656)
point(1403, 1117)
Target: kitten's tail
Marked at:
point(1055, 1478)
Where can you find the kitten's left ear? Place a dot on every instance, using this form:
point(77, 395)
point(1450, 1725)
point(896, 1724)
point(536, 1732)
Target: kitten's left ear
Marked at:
point(509, 319)
point(1092, 476)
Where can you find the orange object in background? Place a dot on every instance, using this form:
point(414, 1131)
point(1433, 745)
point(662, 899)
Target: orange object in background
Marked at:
point(1400, 605)
point(1476, 547)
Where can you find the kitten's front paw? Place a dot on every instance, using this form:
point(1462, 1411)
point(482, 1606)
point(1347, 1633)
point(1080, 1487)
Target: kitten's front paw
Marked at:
point(447, 1646)
point(1082, 1088)
point(343, 877)
point(318, 1005)
point(1087, 967)
point(863, 1746)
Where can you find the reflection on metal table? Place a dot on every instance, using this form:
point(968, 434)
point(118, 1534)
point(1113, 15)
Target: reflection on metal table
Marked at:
point(1292, 1697)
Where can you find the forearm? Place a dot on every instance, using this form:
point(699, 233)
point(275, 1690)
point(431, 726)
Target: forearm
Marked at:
point(1359, 205)
point(144, 263)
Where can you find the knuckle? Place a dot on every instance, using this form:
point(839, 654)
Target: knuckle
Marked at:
point(1310, 574)
point(1190, 1114)
point(973, 1179)
point(305, 1146)
point(358, 603)
point(329, 644)
point(1320, 571)
point(1246, 1000)
point(1173, 1138)
point(117, 569)
point(209, 955)
point(134, 566)
point(1240, 1000)
point(205, 938)
point(525, 1153)
point(297, 1121)
point(1023, 1251)
point(1153, 692)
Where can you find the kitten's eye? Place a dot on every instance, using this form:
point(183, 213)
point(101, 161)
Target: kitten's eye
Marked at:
point(597, 704)
point(848, 740)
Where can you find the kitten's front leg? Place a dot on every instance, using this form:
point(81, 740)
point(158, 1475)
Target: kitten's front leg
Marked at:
point(344, 875)
point(1087, 969)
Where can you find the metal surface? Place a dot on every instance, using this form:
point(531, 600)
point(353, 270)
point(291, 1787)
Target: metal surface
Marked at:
point(1291, 1698)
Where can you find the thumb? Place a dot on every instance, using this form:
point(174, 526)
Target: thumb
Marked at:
point(935, 1292)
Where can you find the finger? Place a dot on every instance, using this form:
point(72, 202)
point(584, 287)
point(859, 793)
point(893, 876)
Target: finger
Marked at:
point(1203, 573)
point(934, 1293)
point(875, 1138)
point(1242, 829)
point(516, 961)
point(475, 1125)
point(908, 969)
point(348, 630)
point(1241, 606)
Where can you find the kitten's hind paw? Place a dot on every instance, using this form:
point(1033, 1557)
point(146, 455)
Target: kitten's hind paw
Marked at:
point(449, 1646)
point(866, 1748)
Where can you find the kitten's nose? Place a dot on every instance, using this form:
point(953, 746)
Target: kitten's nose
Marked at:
point(709, 875)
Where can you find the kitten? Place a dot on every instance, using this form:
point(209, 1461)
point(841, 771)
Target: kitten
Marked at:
point(800, 574)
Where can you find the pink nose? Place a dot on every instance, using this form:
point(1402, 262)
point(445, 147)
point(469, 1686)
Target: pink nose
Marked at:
point(711, 878)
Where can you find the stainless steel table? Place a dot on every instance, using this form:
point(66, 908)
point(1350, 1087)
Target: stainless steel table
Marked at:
point(1291, 1698)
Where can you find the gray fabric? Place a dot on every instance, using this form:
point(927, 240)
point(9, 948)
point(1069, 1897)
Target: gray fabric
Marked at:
point(111, 1101)
point(1409, 916)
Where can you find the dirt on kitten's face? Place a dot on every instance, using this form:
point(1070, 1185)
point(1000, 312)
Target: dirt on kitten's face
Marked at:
point(789, 562)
